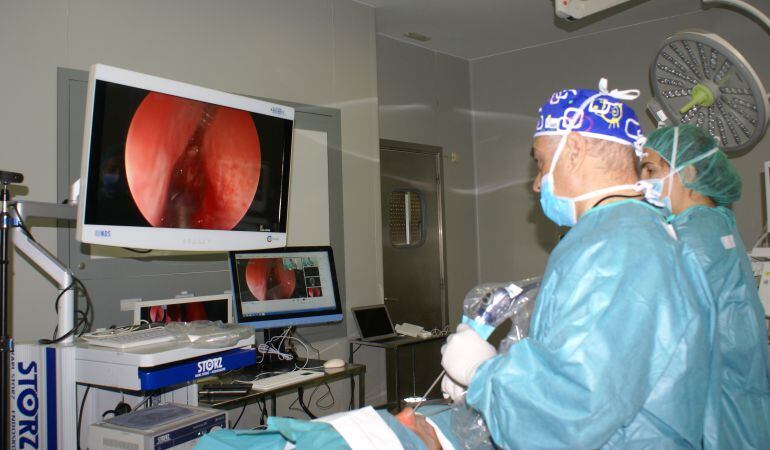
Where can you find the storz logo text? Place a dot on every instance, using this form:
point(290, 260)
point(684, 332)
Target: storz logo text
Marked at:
point(27, 404)
point(209, 366)
point(276, 110)
point(102, 233)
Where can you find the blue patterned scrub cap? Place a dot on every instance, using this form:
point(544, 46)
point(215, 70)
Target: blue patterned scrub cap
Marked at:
point(598, 114)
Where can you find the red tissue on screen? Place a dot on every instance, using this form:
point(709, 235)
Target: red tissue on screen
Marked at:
point(191, 164)
point(268, 279)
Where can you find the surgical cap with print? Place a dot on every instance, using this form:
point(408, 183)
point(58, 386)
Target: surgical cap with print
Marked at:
point(602, 117)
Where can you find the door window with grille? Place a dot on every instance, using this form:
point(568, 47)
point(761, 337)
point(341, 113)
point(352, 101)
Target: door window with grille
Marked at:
point(405, 218)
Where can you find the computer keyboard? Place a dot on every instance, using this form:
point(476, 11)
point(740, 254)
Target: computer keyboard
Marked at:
point(284, 379)
point(131, 339)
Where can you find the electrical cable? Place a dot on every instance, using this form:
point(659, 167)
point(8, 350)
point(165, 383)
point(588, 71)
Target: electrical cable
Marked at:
point(84, 318)
point(136, 250)
point(300, 394)
point(80, 414)
point(352, 393)
point(615, 196)
point(239, 416)
point(140, 404)
point(263, 412)
point(318, 401)
point(22, 225)
point(327, 394)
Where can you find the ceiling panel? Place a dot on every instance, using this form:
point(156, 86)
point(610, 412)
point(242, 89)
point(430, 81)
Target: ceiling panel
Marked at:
point(474, 29)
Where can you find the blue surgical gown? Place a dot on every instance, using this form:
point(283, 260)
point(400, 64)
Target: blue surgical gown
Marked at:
point(619, 348)
point(740, 418)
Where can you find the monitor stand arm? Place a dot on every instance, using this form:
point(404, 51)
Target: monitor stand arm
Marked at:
point(44, 260)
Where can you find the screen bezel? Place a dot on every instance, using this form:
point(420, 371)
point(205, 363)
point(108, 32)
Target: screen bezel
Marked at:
point(138, 306)
point(294, 318)
point(176, 238)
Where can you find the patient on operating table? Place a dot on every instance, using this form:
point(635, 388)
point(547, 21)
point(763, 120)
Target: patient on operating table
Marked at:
point(359, 429)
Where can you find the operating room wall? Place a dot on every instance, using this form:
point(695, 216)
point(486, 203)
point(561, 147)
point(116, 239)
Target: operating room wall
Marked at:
point(513, 235)
point(424, 98)
point(319, 52)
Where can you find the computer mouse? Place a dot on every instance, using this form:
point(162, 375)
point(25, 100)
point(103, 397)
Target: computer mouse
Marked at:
point(334, 363)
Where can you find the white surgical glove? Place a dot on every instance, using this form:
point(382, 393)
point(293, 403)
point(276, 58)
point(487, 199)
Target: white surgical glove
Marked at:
point(463, 353)
point(452, 390)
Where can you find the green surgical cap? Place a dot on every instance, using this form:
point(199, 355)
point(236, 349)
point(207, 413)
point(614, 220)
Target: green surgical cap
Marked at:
point(715, 176)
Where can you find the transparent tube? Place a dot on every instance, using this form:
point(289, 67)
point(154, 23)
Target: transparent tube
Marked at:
point(488, 305)
point(485, 308)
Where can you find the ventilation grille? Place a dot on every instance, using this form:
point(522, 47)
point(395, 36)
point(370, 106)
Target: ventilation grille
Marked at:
point(114, 444)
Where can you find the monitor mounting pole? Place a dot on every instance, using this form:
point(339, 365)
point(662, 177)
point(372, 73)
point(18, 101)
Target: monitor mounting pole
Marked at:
point(12, 216)
point(5, 340)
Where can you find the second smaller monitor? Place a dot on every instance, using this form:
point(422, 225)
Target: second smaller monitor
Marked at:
point(287, 287)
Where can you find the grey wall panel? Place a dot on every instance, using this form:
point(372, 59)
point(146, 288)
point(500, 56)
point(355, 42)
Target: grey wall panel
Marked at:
point(407, 82)
point(424, 98)
point(514, 236)
point(454, 132)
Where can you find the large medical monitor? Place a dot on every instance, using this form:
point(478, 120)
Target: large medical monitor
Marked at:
point(289, 287)
point(172, 166)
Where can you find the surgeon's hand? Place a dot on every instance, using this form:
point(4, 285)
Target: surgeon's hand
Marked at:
point(463, 353)
point(452, 390)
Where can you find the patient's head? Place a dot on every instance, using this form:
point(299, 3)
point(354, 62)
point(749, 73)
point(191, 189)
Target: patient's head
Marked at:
point(420, 427)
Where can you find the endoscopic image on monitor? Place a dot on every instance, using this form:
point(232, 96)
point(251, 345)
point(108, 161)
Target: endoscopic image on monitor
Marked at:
point(286, 287)
point(280, 278)
point(171, 162)
point(186, 312)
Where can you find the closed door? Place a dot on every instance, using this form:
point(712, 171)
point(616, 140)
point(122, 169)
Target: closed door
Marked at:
point(412, 234)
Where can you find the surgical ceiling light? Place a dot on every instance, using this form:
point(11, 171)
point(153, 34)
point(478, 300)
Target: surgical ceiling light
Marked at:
point(698, 78)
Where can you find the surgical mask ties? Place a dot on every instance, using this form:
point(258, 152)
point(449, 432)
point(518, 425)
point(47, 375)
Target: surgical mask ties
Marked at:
point(562, 210)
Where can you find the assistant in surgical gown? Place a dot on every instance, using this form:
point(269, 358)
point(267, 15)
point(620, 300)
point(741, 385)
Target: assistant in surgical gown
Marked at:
point(740, 418)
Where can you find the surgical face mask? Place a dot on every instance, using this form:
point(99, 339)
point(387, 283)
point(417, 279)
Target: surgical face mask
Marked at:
point(560, 210)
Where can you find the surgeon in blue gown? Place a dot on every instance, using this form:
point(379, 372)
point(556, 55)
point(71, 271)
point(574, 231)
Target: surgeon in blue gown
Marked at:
point(618, 355)
point(698, 192)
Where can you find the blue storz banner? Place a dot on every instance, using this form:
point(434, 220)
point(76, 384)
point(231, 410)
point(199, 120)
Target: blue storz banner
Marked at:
point(191, 369)
point(33, 397)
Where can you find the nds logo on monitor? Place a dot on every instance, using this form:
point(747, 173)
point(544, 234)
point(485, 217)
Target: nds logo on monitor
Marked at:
point(209, 366)
point(277, 111)
point(102, 233)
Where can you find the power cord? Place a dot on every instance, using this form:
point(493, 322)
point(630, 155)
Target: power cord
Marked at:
point(80, 414)
point(83, 319)
point(274, 346)
point(322, 407)
point(121, 408)
point(239, 416)
point(136, 250)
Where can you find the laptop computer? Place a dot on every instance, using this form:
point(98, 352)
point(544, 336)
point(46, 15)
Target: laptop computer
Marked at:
point(374, 324)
